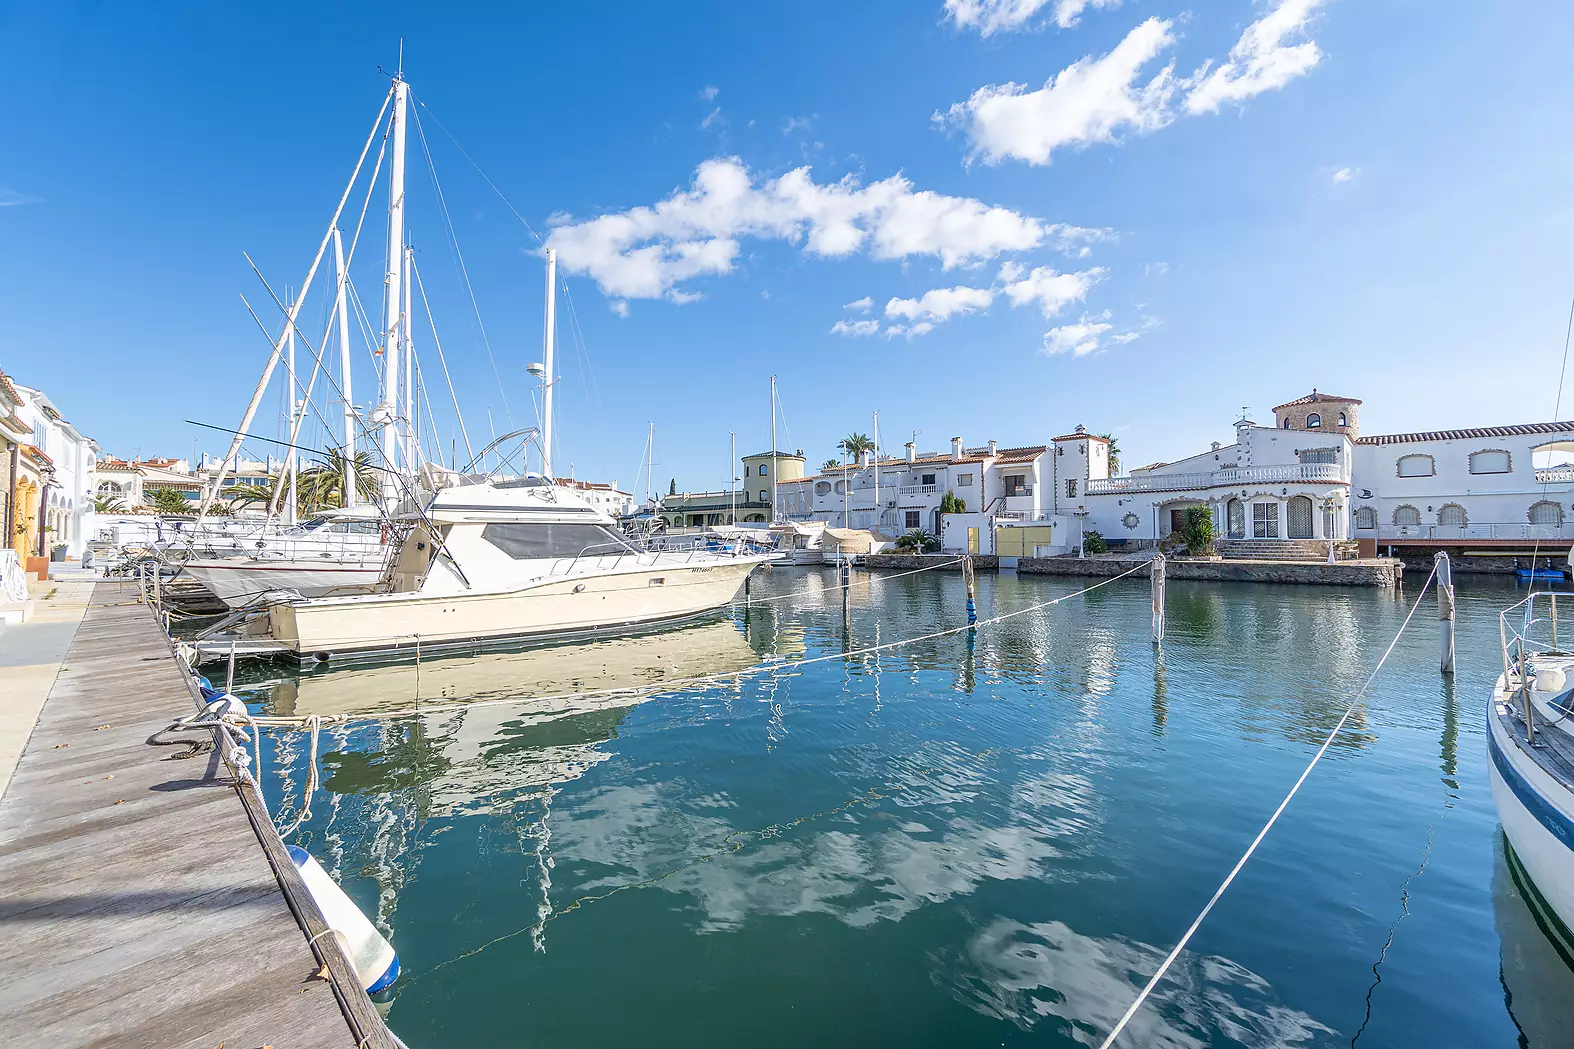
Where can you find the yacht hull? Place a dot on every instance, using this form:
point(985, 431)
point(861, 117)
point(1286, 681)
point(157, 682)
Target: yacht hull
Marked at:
point(1537, 814)
point(240, 580)
point(567, 606)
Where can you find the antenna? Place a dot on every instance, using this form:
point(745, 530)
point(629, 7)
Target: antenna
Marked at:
point(401, 56)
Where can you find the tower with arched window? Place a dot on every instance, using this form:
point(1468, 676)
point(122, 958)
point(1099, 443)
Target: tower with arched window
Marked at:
point(1320, 411)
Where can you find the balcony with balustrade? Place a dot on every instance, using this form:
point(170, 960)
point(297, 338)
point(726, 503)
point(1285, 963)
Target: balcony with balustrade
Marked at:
point(1230, 477)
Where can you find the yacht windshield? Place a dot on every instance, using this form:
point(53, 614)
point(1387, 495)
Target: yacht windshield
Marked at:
point(525, 541)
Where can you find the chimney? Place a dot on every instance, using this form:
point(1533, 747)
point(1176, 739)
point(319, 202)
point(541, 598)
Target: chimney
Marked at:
point(956, 449)
point(992, 451)
point(1216, 446)
point(865, 457)
point(912, 451)
point(1081, 428)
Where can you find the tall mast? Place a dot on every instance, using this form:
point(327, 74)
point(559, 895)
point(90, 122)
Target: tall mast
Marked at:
point(291, 457)
point(773, 449)
point(342, 310)
point(408, 317)
point(732, 473)
point(876, 471)
point(393, 301)
point(650, 459)
point(550, 379)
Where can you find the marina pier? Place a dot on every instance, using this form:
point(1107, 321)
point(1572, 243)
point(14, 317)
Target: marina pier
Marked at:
point(147, 899)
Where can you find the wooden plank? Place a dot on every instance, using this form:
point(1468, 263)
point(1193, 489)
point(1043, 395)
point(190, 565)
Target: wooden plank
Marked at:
point(145, 898)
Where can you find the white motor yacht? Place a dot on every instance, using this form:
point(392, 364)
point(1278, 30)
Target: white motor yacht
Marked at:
point(334, 552)
point(1531, 746)
point(492, 562)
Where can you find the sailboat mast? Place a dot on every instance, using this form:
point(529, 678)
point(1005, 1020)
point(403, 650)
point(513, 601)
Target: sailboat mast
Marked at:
point(392, 280)
point(773, 449)
point(341, 309)
point(877, 471)
point(732, 473)
point(549, 347)
point(292, 457)
point(409, 361)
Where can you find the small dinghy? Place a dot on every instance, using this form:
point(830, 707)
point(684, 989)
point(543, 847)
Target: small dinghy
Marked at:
point(1529, 575)
point(373, 956)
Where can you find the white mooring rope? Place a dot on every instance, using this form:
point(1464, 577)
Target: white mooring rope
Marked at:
point(1224, 885)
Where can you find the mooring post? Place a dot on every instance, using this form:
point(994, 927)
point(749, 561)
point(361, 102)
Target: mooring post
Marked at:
point(1156, 577)
point(158, 594)
point(1445, 608)
point(970, 578)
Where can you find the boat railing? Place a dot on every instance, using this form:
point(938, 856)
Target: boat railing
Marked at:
point(608, 556)
point(1527, 628)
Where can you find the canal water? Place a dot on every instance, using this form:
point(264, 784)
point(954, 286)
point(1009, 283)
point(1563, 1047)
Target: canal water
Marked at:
point(967, 841)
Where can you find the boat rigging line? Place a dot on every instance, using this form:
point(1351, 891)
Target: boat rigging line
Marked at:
point(1360, 697)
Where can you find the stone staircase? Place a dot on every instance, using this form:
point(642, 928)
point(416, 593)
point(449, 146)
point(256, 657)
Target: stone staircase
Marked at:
point(1275, 549)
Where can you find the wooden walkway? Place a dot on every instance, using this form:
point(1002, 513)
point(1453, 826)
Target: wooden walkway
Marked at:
point(139, 906)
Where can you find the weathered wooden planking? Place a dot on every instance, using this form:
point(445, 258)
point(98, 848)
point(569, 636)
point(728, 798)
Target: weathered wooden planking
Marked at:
point(139, 906)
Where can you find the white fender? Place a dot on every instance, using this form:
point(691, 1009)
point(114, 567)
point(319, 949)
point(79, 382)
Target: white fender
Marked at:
point(373, 956)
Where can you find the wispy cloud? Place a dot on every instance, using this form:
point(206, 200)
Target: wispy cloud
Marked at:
point(619, 307)
point(710, 118)
point(1105, 98)
point(1079, 339)
point(648, 251)
point(855, 328)
point(1263, 59)
point(1095, 99)
point(989, 17)
point(11, 198)
point(862, 305)
point(911, 331)
point(709, 92)
point(792, 124)
point(1344, 175)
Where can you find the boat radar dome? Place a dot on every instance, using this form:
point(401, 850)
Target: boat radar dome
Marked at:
point(536, 368)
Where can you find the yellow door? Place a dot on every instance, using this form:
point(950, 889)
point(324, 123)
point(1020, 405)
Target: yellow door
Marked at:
point(972, 540)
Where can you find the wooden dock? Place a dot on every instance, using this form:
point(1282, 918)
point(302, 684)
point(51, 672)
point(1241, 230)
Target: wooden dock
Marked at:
point(144, 901)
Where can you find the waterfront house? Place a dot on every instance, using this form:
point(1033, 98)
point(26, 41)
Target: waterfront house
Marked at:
point(49, 466)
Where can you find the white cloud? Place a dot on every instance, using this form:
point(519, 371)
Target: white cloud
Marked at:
point(1345, 174)
point(911, 331)
point(710, 118)
point(1079, 339)
point(862, 305)
point(992, 16)
point(1068, 12)
point(645, 252)
point(1010, 271)
point(796, 124)
point(1125, 337)
point(1150, 269)
point(709, 92)
point(619, 307)
point(11, 198)
point(1051, 291)
point(1261, 59)
point(855, 328)
point(1091, 100)
point(941, 304)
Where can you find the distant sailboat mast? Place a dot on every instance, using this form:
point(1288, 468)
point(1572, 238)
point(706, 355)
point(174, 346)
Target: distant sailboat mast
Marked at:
point(773, 449)
point(408, 330)
point(549, 339)
point(342, 310)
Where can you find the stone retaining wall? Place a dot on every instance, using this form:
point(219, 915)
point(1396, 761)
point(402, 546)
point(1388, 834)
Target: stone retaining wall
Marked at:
point(908, 562)
point(1383, 572)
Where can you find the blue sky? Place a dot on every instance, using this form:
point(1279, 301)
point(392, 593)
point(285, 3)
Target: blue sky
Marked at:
point(1255, 198)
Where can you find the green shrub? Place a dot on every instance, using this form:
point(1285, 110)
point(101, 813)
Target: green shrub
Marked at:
point(1198, 532)
point(1093, 542)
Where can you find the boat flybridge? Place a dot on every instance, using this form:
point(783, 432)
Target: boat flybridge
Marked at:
point(1531, 745)
point(493, 561)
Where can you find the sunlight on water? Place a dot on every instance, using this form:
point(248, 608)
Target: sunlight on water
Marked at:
point(964, 841)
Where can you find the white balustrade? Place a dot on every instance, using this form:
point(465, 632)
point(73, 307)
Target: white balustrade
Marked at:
point(1228, 477)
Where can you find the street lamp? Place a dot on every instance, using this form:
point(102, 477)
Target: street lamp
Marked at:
point(1328, 525)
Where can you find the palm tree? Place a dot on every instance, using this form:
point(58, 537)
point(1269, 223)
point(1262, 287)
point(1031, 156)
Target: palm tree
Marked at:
point(855, 444)
point(1114, 453)
point(108, 504)
point(321, 484)
point(830, 466)
point(168, 501)
point(918, 541)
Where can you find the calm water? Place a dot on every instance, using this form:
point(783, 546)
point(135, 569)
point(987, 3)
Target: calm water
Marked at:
point(957, 843)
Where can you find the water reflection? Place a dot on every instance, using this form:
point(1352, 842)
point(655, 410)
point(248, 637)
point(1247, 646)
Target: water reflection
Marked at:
point(1030, 974)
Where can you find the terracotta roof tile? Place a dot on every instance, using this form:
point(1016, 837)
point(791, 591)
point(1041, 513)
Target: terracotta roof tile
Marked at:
point(1315, 397)
point(1079, 436)
point(1472, 434)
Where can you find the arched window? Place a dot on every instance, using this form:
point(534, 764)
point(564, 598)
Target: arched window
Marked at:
point(765, 496)
point(765, 469)
point(1344, 420)
point(1406, 515)
point(1235, 519)
point(1365, 517)
point(1452, 515)
point(1490, 461)
point(822, 488)
point(1416, 466)
point(1286, 424)
point(1314, 421)
point(1546, 512)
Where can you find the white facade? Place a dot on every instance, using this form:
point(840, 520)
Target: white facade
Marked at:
point(994, 481)
point(67, 507)
point(1476, 484)
point(604, 497)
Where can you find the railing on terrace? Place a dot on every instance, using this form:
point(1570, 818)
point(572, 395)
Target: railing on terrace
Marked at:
point(1225, 478)
point(1483, 530)
point(1023, 516)
point(917, 489)
point(1555, 475)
